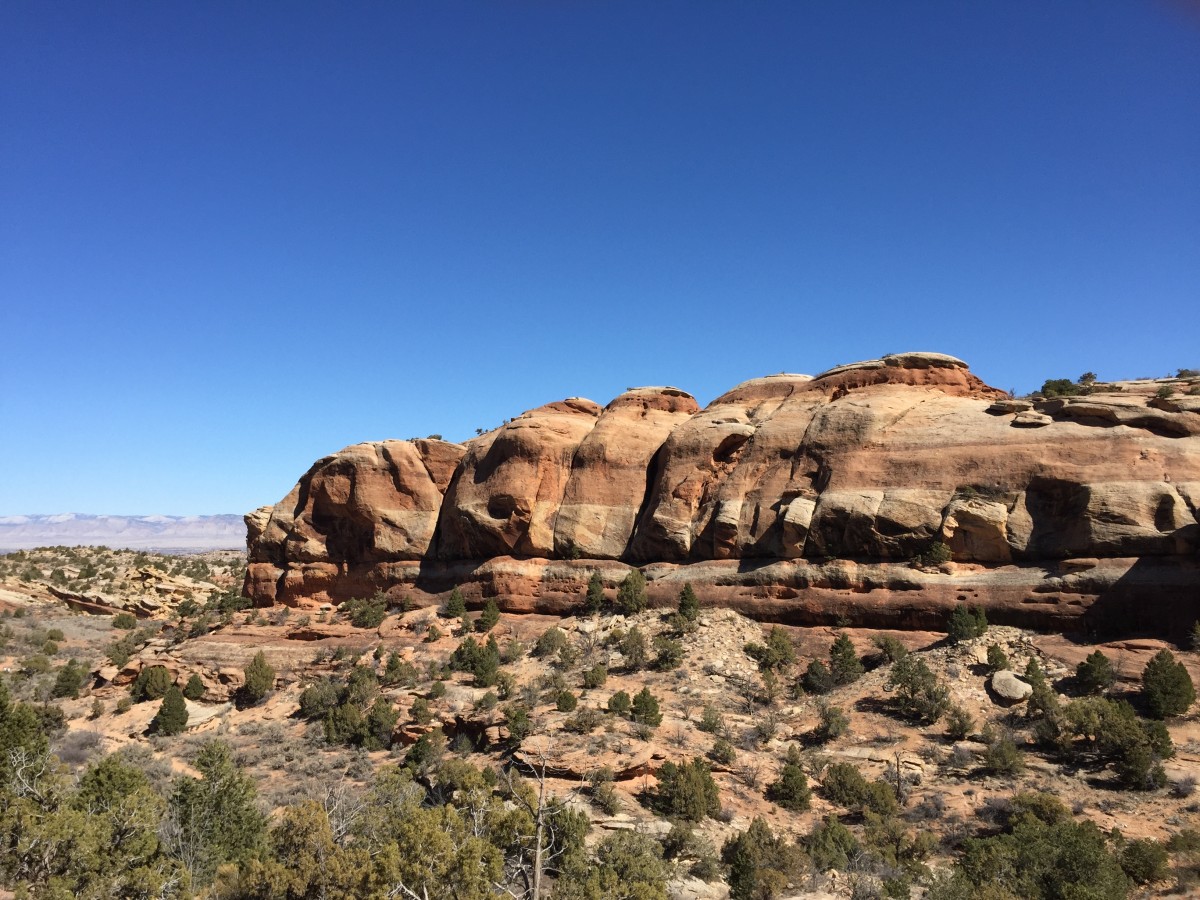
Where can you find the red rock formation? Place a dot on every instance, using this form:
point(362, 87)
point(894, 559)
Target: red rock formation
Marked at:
point(756, 498)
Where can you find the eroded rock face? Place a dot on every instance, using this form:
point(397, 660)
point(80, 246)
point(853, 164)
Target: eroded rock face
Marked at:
point(871, 462)
point(607, 479)
point(510, 484)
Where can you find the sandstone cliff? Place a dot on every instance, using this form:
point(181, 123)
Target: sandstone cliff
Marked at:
point(790, 497)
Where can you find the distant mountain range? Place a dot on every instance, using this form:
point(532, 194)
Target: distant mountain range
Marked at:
point(163, 533)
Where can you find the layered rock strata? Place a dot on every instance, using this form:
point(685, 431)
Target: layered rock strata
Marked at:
point(793, 498)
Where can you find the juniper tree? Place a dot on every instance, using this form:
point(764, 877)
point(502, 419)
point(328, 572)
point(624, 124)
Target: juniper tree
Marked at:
point(488, 618)
point(689, 605)
point(631, 595)
point(172, 716)
point(456, 606)
point(594, 602)
point(260, 678)
point(844, 664)
point(1095, 674)
point(1167, 686)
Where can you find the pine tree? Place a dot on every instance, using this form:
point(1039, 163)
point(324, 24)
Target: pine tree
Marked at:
point(1167, 686)
point(488, 618)
point(689, 605)
point(260, 678)
point(152, 683)
point(172, 716)
point(631, 595)
point(594, 603)
point(456, 606)
point(844, 664)
point(1095, 674)
point(645, 709)
point(997, 659)
point(790, 790)
point(966, 623)
point(194, 689)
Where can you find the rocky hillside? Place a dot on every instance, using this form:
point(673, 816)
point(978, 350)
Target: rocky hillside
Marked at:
point(879, 493)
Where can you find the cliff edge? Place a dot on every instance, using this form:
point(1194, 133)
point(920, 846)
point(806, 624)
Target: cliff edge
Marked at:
point(793, 498)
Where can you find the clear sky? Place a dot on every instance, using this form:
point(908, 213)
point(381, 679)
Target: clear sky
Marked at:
point(235, 237)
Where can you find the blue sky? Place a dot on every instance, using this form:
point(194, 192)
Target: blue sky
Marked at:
point(236, 237)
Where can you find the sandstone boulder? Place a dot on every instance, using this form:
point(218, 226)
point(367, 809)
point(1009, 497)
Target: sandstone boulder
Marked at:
point(1009, 686)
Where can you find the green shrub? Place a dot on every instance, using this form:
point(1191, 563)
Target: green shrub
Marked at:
point(605, 796)
point(1144, 861)
point(689, 605)
point(483, 662)
point(722, 752)
point(1167, 686)
point(172, 716)
point(456, 606)
point(959, 723)
point(919, 695)
point(566, 701)
point(790, 790)
point(644, 709)
point(152, 683)
point(711, 720)
point(518, 723)
point(620, 704)
point(844, 785)
point(420, 712)
point(550, 642)
point(1095, 674)
point(366, 612)
point(997, 659)
point(938, 553)
point(319, 699)
point(194, 689)
point(585, 721)
point(1002, 756)
point(631, 595)
point(966, 623)
point(669, 653)
point(124, 621)
point(830, 845)
point(594, 600)
point(633, 648)
point(1036, 861)
point(55, 634)
point(760, 865)
point(595, 676)
point(817, 678)
point(124, 705)
point(399, 671)
point(1062, 387)
point(890, 648)
point(844, 664)
point(778, 653)
point(687, 791)
point(379, 726)
point(259, 679)
point(489, 618)
point(69, 680)
point(833, 723)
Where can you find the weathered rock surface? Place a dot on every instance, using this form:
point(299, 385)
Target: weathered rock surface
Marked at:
point(1009, 686)
point(789, 497)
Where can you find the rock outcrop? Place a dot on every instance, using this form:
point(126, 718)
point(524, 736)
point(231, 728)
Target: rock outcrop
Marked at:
point(790, 497)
